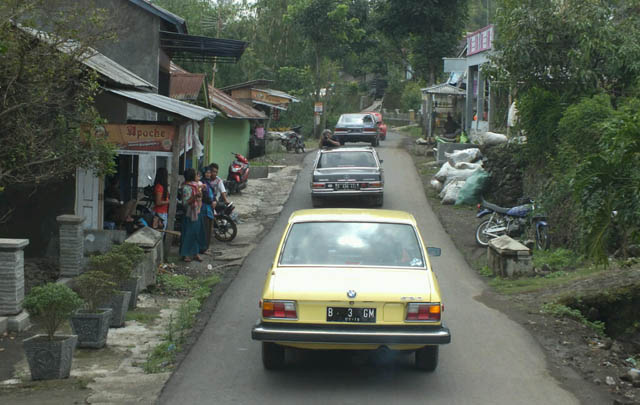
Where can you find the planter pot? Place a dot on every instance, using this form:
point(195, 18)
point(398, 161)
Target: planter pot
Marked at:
point(49, 360)
point(132, 285)
point(92, 327)
point(119, 304)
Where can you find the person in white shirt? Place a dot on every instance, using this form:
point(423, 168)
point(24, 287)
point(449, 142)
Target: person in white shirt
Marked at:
point(218, 184)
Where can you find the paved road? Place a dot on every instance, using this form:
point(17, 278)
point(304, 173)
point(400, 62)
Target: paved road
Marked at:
point(491, 359)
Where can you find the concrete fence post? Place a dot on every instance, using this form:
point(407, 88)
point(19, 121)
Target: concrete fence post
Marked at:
point(71, 245)
point(12, 275)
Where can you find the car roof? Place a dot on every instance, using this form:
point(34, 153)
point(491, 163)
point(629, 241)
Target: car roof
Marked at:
point(352, 215)
point(356, 114)
point(349, 149)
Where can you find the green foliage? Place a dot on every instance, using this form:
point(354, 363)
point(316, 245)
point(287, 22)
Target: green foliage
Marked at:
point(116, 265)
point(558, 259)
point(177, 284)
point(430, 29)
point(563, 311)
point(47, 96)
point(133, 252)
point(95, 288)
point(52, 304)
point(163, 356)
point(411, 96)
point(539, 111)
point(485, 271)
point(574, 45)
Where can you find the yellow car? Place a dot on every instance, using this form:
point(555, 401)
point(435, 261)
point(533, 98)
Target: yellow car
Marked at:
point(351, 279)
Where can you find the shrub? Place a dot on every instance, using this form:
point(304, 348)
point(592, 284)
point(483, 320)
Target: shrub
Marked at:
point(133, 252)
point(52, 304)
point(95, 287)
point(116, 265)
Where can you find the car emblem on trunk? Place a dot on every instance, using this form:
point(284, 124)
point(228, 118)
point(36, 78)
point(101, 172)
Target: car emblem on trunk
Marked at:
point(351, 293)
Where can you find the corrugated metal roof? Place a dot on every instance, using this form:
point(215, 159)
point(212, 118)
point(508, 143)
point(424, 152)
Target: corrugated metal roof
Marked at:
point(166, 104)
point(252, 83)
point(233, 108)
point(115, 73)
point(444, 88)
point(186, 86)
point(279, 93)
point(279, 107)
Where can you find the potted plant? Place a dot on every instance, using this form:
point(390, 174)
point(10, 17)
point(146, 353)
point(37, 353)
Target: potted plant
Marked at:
point(50, 355)
point(135, 254)
point(118, 267)
point(91, 323)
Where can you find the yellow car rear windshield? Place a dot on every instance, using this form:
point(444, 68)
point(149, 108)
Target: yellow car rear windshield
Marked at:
point(352, 244)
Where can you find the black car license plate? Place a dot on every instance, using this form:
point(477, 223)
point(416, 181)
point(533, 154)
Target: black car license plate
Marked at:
point(346, 186)
point(358, 315)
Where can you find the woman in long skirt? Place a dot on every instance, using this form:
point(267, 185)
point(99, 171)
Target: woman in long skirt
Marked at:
point(191, 236)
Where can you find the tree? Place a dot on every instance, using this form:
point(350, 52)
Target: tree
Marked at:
point(574, 45)
point(432, 28)
point(46, 94)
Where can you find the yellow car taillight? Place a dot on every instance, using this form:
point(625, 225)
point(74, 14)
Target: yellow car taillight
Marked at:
point(421, 311)
point(279, 309)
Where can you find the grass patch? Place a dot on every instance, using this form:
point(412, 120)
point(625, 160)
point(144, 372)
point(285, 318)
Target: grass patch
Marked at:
point(177, 285)
point(145, 316)
point(563, 311)
point(414, 131)
point(163, 356)
point(485, 271)
point(529, 284)
point(558, 259)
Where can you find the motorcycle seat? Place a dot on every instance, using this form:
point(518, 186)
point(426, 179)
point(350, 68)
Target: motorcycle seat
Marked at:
point(496, 208)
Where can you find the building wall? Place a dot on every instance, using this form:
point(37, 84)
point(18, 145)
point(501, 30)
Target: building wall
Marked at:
point(229, 135)
point(138, 45)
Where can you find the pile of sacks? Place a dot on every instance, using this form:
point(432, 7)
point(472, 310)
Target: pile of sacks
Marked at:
point(461, 178)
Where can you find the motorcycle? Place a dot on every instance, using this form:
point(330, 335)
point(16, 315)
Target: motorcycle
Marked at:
point(514, 221)
point(145, 216)
point(238, 174)
point(225, 228)
point(292, 140)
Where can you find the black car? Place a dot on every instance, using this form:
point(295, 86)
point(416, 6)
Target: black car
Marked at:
point(357, 127)
point(347, 172)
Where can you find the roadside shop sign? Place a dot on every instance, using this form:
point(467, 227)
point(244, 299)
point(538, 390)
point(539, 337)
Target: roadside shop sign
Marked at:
point(135, 137)
point(480, 41)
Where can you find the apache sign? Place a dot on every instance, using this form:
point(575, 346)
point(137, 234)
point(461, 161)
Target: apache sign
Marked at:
point(134, 137)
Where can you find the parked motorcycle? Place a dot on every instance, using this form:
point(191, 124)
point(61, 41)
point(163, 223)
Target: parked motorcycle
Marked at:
point(238, 174)
point(514, 221)
point(292, 140)
point(145, 216)
point(225, 228)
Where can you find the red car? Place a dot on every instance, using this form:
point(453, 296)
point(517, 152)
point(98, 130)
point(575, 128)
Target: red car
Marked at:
point(380, 124)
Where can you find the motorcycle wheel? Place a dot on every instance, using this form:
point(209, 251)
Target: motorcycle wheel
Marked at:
point(542, 238)
point(224, 229)
point(482, 238)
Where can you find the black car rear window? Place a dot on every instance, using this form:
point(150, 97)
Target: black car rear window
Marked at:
point(346, 159)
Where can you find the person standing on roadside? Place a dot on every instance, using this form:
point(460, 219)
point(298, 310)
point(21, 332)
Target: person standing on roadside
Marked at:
point(161, 195)
point(209, 204)
point(218, 184)
point(191, 235)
